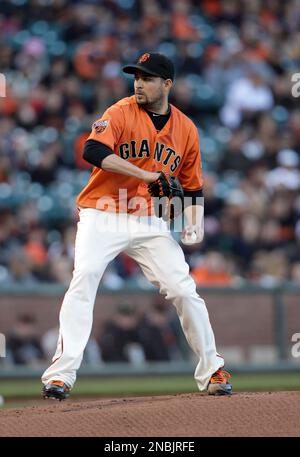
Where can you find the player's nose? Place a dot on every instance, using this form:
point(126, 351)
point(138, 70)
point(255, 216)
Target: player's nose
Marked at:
point(138, 83)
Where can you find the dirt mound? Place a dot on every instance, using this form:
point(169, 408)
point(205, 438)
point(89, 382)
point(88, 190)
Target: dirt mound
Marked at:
point(190, 415)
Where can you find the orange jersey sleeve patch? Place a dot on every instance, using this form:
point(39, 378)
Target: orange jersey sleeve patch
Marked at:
point(109, 127)
point(100, 126)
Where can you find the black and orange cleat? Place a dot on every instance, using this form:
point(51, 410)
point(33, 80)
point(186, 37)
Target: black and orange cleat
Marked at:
point(218, 384)
point(57, 390)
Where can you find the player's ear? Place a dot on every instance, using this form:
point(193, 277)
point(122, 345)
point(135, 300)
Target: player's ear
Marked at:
point(168, 83)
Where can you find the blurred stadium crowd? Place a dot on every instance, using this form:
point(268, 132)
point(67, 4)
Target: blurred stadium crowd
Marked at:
point(130, 335)
point(62, 61)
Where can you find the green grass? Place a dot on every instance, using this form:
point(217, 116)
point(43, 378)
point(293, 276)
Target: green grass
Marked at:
point(122, 386)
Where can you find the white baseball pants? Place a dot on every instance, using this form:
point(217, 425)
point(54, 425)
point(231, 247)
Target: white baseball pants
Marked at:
point(149, 242)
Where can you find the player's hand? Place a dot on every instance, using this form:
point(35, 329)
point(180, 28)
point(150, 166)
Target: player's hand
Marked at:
point(150, 177)
point(192, 234)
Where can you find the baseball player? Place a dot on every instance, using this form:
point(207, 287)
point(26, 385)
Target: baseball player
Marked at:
point(141, 148)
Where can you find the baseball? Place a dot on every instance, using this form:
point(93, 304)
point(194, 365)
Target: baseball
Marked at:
point(189, 238)
point(193, 236)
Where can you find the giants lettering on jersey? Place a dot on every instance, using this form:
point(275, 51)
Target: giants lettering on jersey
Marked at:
point(162, 154)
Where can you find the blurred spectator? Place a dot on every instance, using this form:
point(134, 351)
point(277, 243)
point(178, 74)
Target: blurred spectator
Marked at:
point(158, 333)
point(36, 251)
point(234, 158)
point(61, 255)
point(246, 97)
point(19, 270)
point(119, 340)
point(268, 268)
point(213, 271)
point(23, 344)
point(287, 174)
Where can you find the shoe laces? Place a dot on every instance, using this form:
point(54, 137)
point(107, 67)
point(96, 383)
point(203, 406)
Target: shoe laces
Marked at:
point(220, 377)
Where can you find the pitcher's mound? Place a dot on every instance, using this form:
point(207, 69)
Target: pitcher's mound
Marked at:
point(242, 414)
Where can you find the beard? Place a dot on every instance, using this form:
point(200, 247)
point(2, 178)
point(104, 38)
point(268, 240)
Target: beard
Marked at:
point(141, 99)
point(150, 103)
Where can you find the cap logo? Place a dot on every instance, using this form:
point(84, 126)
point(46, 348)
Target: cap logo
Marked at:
point(144, 57)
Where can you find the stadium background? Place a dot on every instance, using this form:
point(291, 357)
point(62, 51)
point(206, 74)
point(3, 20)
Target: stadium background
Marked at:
point(235, 60)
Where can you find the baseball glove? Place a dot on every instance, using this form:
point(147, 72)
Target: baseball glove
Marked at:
point(169, 187)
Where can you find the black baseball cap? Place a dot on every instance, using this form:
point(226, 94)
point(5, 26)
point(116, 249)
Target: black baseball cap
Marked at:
point(154, 64)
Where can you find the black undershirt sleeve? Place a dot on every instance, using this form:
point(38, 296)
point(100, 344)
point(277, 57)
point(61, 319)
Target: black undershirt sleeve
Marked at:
point(194, 194)
point(94, 152)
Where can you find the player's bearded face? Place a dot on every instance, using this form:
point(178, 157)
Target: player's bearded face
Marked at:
point(149, 90)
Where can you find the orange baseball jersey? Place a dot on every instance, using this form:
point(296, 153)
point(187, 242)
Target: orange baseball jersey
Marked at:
point(128, 130)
